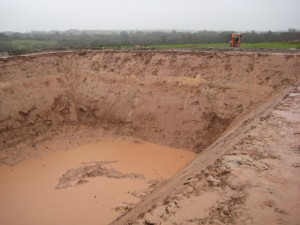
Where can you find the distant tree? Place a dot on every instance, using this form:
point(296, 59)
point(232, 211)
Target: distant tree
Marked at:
point(269, 36)
point(251, 37)
point(125, 39)
point(4, 36)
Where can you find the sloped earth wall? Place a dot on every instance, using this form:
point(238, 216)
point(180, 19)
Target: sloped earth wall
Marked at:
point(178, 98)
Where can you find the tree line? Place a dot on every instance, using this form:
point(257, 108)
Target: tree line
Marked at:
point(76, 38)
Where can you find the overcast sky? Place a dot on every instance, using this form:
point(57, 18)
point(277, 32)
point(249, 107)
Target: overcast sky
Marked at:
point(238, 15)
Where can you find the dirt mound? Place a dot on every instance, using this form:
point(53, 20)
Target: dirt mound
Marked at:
point(176, 98)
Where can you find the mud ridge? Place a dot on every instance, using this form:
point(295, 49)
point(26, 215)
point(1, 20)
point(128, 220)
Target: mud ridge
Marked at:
point(236, 181)
point(80, 175)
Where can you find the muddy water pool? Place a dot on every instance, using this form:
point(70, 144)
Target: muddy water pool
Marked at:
point(90, 184)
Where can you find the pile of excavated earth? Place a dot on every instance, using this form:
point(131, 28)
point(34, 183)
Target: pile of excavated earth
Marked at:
point(149, 137)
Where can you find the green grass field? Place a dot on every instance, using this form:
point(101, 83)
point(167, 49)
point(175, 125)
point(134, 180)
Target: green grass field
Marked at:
point(274, 45)
point(15, 45)
point(27, 44)
point(271, 45)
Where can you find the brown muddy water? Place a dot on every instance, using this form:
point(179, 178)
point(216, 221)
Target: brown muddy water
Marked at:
point(90, 184)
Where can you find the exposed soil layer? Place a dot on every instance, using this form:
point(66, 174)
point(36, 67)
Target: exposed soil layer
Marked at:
point(209, 102)
point(182, 99)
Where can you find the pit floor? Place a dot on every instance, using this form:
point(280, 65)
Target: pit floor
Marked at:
point(33, 193)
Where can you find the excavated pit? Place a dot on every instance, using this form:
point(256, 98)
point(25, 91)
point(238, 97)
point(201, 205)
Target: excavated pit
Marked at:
point(83, 100)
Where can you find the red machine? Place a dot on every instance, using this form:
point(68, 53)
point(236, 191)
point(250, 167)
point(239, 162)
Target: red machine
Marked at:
point(235, 40)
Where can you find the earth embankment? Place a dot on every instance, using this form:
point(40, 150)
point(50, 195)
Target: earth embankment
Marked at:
point(177, 98)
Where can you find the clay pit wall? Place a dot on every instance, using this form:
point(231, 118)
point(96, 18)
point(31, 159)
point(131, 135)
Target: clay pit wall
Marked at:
point(178, 98)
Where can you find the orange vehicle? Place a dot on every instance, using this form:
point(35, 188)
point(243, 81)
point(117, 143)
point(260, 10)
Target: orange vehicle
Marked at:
point(235, 40)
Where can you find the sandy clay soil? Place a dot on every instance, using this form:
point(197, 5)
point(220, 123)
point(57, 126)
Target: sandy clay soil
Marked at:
point(150, 137)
